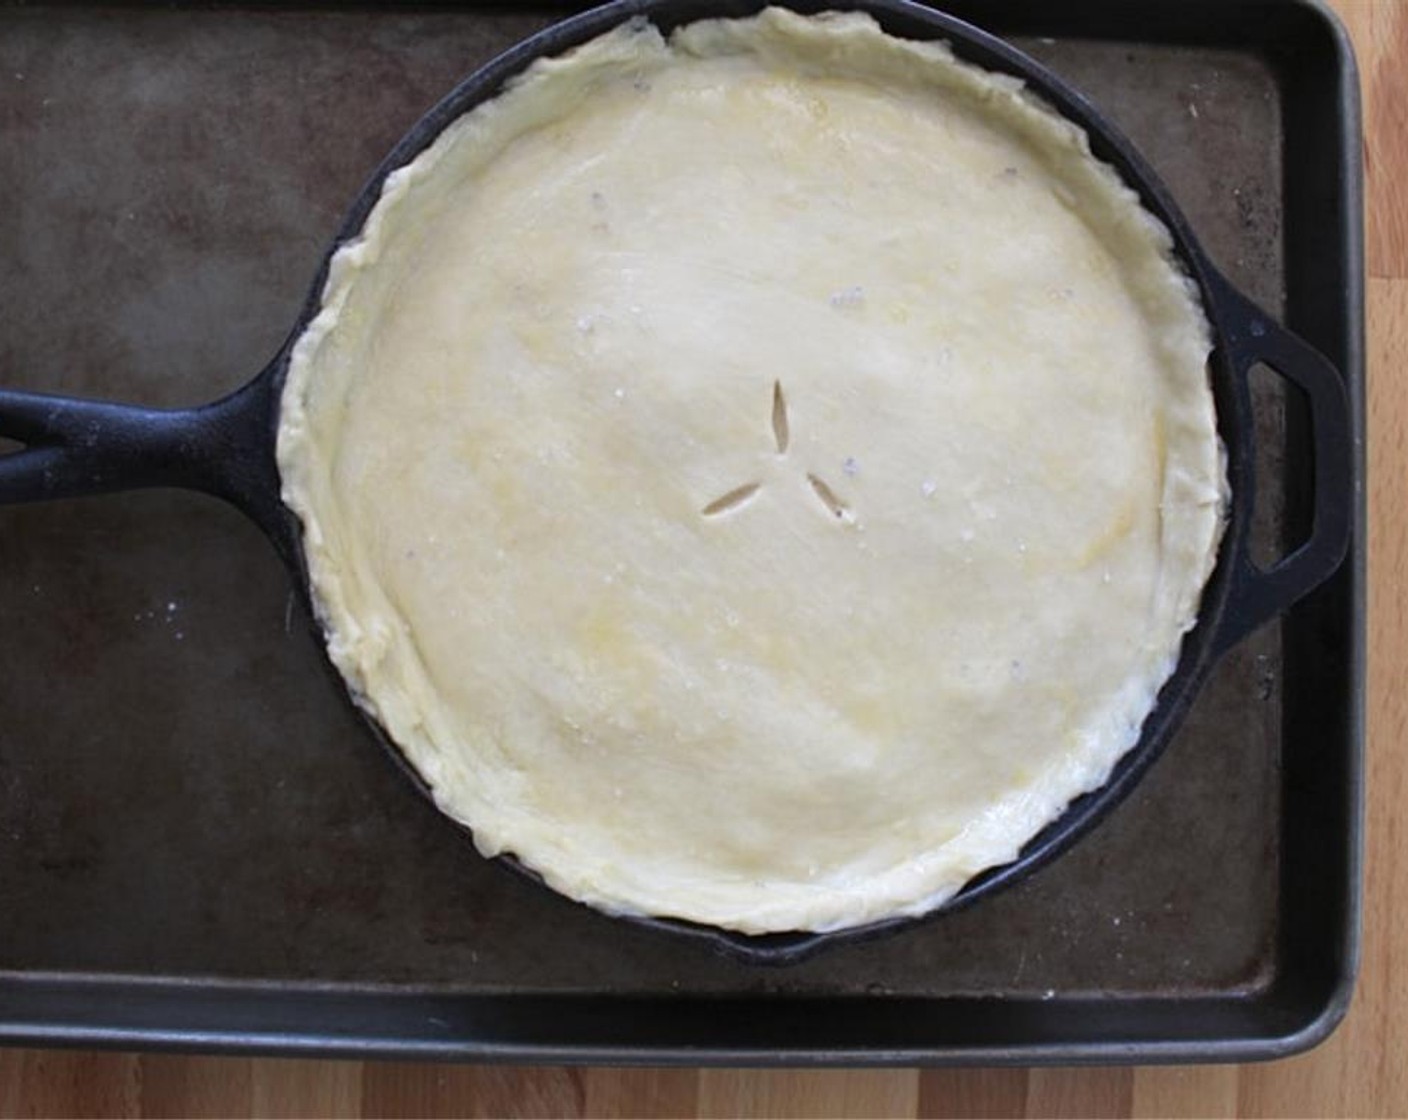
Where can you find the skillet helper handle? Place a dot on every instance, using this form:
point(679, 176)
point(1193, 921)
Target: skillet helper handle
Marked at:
point(1257, 596)
point(77, 447)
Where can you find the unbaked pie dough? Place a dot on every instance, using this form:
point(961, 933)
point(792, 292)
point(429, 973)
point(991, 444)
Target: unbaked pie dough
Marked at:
point(757, 476)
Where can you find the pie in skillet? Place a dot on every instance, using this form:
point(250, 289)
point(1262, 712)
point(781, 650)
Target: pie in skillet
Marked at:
point(758, 475)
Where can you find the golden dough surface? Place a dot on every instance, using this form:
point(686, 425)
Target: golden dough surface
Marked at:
point(759, 475)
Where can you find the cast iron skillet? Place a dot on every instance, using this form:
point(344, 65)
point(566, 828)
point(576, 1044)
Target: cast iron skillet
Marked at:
point(75, 447)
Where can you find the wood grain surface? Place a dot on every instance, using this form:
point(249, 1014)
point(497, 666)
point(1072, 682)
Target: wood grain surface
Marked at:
point(1361, 1071)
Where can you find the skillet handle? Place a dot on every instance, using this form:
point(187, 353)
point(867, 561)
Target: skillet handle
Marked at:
point(1258, 596)
point(76, 447)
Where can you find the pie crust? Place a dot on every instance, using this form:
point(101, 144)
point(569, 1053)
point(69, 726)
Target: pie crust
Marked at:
point(758, 475)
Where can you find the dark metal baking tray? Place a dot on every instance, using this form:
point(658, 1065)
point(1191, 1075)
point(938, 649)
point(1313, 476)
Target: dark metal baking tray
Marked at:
point(200, 846)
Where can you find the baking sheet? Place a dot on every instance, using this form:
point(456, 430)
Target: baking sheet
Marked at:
point(184, 792)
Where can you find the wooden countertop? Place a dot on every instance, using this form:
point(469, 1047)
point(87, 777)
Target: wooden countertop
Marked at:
point(1361, 1071)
